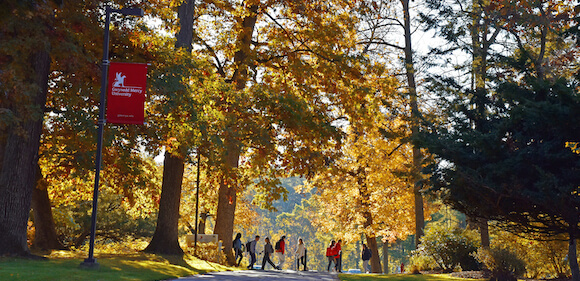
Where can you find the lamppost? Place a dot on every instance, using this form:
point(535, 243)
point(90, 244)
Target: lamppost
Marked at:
point(91, 262)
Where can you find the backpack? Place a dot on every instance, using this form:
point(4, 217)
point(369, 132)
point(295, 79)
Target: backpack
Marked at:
point(277, 246)
point(248, 245)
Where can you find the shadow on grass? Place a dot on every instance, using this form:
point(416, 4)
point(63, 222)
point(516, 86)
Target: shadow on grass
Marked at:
point(399, 277)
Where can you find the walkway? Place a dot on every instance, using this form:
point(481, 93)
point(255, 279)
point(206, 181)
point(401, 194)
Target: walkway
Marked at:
point(270, 275)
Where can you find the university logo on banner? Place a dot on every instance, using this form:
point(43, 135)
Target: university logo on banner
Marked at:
point(126, 93)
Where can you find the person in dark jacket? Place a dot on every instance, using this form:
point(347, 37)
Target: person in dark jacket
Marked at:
point(366, 256)
point(237, 245)
point(268, 250)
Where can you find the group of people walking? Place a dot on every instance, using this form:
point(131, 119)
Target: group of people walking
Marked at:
point(279, 250)
point(334, 255)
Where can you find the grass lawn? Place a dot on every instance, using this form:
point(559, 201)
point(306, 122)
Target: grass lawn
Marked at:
point(138, 266)
point(399, 277)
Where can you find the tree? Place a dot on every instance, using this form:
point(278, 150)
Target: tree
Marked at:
point(379, 19)
point(24, 74)
point(291, 66)
point(513, 164)
point(165, 238)
point(363, 189)
point(45, 235)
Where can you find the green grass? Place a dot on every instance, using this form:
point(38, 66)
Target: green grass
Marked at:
point(113, 267)
point(399, 277)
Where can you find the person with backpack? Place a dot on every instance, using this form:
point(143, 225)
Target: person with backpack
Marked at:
point(330, 254)
point(237, 246)
point(251, 247)
point(366, 256)
point(280, 248)
point(267, 252)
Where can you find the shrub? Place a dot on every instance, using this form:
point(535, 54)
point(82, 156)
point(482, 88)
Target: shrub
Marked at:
point(503, 264)
point(448, 247)
point(422, 262)
point(208, 252)
point(544, 259)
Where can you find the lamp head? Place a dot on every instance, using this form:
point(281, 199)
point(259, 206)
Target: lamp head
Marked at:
point(131, 11)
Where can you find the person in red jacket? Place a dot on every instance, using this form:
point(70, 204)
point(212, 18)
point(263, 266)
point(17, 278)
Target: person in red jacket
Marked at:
point(330, 254)
point(280, 248)
point(338, 255)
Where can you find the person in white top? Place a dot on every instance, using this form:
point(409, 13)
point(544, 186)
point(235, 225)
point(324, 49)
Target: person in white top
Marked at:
point(300, 255)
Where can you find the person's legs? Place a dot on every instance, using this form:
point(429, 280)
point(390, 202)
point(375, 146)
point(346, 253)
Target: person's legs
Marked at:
point(365, 266)
point(298, 264)
point(272, 263)
point(240, 256)
point(252, 260)
point(281, 259)
point(330, 261)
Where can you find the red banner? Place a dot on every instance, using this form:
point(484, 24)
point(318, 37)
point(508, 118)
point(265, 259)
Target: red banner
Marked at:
point(126, 93)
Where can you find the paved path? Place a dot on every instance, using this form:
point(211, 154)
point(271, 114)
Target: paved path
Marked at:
point(270, 275)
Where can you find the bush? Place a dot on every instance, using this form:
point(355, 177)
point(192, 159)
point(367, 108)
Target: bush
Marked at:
point(544, 259)
point(207, 252)
point(448, 247)
point(422, 263)
point(503, 264)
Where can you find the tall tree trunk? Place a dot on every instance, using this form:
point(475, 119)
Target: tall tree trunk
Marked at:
point(18, 174)
point(227, 197)
point(484, 232)
point(386, 257)
point(573, 259)
point(45, 236)
point(165, 237)
point(227, 194)
point(415, 114)
point(375, 258)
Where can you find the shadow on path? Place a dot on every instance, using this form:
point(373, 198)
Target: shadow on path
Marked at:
point(251, 275)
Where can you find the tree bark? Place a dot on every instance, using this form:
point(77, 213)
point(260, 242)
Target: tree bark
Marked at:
point(165, 238)
point(415, 114)
point(45, 236)
point(483, 232)
point(573, 259)
point(19, 166)
point(227, 194)
point(375, 258)
point(227, 197)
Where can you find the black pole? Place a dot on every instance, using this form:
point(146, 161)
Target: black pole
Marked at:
point(197, 203)
point(91, 262)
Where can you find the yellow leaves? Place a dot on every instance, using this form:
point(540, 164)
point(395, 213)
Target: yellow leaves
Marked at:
point(363, 191)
